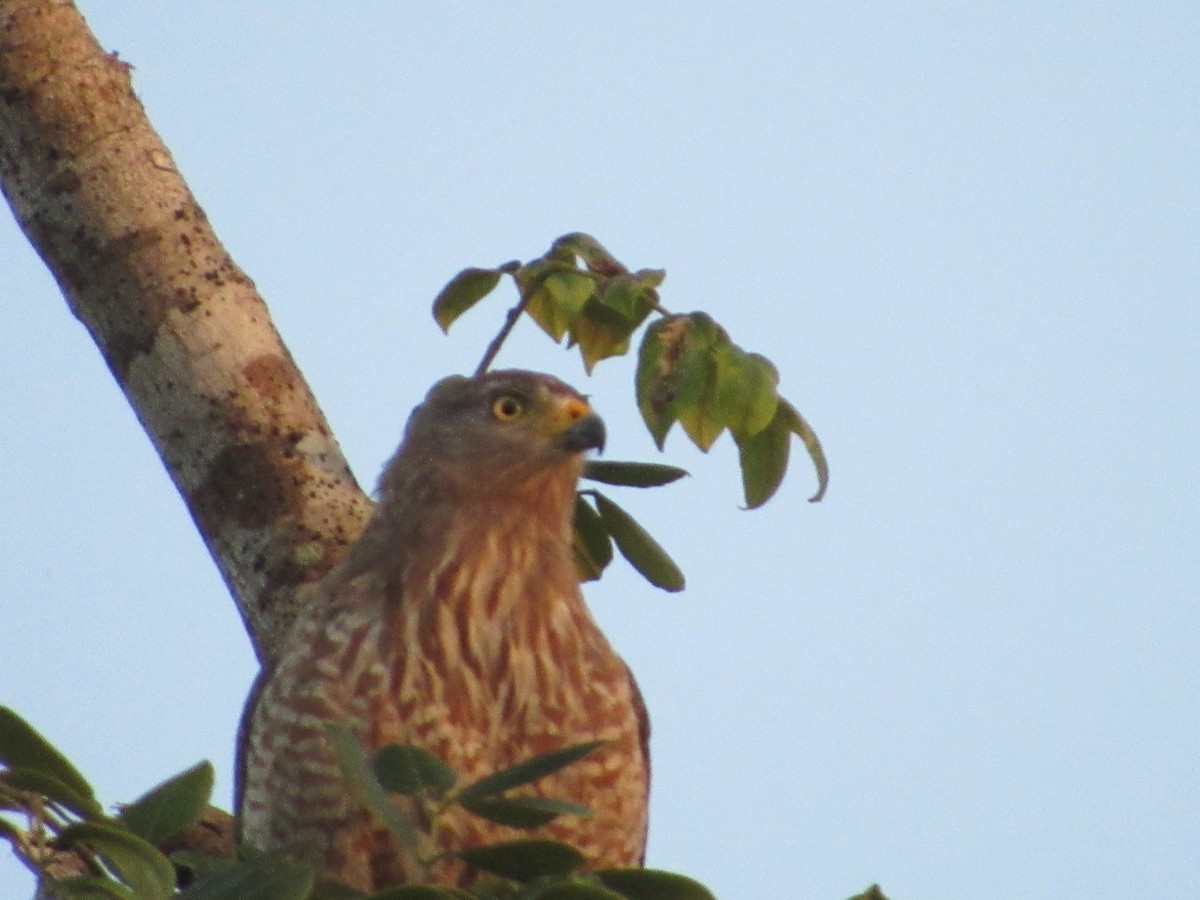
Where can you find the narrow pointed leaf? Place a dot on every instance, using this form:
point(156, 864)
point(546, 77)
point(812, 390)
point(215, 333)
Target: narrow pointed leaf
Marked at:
point(172, 806)
point(764, 460)
point(22, 746)
point(799, 427)
point(268, 877)
point(523, 812)
point(147, 872)
point(653, 884)
point(528, 771)
point(364, 786)
point(465, 289)
point(87, 887)
point(404, 769)
point(636, 545)
point(631, 474)
point(524, 860)
point(590, 543)
point(53, 789)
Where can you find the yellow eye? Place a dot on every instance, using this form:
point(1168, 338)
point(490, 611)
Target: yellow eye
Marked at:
point(507, 408)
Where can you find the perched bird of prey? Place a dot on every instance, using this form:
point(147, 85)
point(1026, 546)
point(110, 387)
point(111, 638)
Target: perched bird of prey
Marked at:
point(456, 624)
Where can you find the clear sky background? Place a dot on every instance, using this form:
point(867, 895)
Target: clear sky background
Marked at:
point(968, 234)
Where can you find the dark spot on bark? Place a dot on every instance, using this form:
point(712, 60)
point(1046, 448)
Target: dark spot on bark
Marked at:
point(64, 182)
point(245, 483)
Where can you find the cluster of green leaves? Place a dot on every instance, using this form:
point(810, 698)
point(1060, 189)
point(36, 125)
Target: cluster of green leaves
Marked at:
point(518, 869)
point(40, 785)
point(689, 371)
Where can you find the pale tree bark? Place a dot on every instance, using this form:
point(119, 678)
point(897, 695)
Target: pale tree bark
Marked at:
point(181, 327)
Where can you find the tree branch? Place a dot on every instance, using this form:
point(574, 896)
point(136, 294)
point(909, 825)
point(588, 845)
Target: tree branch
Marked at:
point(181, 327)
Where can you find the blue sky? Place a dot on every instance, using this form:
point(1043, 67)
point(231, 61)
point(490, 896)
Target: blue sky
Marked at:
point(968, 236)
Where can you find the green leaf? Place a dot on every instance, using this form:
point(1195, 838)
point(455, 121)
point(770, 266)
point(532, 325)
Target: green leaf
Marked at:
point(575, 890)
point(465, 289)
point(200, 864)
point(676, 373)
point(871, 893)
point(266, 877)
point(745, 396)
point(364, 786)
point(524, 860)
point(600, 332)
point(653, 884)
point(629, 296)
point(701, 425)
point(796, 424)
point(764, 460)
point(631, 474)
point(87, 887)
point(523, 812)
point(147, 872)
point(591, 545)
point(528, 771)
point(571, 290)
point(636, 545)
point(172, 806)
point(404, 769)
point(51, 788)
point(22, 746)
point(591, 251)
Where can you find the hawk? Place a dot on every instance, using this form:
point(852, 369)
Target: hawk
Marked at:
point(455, 623)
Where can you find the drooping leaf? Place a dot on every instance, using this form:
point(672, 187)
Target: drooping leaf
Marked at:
point(653, 884)
point(591, 251)
point(796, 424)
point(528, 771)
point(629, 296)
point(172, 806)
point(523, 812)
point(405, 769)
point(701, 425)
point(571, 290)
point(147, 872)
point(591, 545)
point(465, 289)
point(764, 459)
point(524, 860)
point(676, 373)
point(87, 887)
point(364, 786)
point(269, 876)
point(745, 396)
point(636, 545)
point(631, 474)
point(54, 790)
point(22, 746)
point(600, 332)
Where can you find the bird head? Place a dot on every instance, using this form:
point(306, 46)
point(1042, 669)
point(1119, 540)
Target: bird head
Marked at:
point(502, 427)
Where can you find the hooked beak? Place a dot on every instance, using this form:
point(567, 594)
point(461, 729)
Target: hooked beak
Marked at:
point(587, 433)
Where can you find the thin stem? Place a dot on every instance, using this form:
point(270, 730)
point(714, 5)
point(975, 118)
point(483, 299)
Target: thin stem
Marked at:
point(510, 321)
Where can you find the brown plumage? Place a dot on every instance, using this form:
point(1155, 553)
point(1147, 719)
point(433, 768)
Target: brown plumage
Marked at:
point(455, 623)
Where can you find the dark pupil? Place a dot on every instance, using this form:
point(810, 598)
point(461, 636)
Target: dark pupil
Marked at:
point(508, 407)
